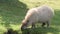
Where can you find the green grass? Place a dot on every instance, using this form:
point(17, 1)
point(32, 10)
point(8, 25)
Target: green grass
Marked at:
point(12, 12)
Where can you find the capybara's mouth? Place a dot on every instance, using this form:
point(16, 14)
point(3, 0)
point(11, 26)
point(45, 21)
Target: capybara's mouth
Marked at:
point(22, 29)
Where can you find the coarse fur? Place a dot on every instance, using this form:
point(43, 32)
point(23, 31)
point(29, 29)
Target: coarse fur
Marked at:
point(41, 14)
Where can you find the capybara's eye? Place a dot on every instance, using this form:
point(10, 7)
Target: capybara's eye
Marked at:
point(27, 20)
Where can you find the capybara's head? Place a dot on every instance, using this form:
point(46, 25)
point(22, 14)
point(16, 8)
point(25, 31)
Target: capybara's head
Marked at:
point(24, 24)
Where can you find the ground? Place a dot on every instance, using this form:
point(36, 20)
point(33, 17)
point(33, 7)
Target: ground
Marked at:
point(12, 12)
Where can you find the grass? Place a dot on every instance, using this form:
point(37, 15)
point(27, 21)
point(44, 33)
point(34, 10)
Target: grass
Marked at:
point(12, 12)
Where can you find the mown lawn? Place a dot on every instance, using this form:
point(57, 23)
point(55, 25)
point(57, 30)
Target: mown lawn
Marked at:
point(12, 12)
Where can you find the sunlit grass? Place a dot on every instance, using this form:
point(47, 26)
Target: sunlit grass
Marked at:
point(53, 3)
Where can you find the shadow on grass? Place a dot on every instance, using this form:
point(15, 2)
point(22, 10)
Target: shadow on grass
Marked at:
point(41, 31)
point(12, 12)
point(10, 31)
